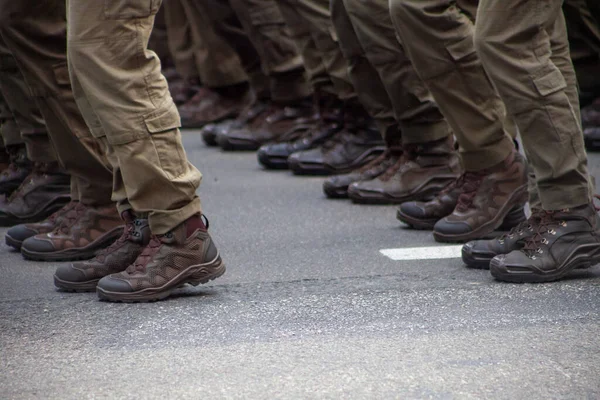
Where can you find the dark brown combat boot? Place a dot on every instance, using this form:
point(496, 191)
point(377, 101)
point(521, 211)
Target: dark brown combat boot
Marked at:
point(487, 198)
point(280, 123)
point(563, 241)
point(479, 253)
point(210, 131)
point(187, 254)
point(44, 191)
point(17, 234)
point(84, 276)
point(17, 170)
point(336, 186)
point(84, 230)
point(329, 122)
point(208, 106)
point(420, 172)
point(354, 146)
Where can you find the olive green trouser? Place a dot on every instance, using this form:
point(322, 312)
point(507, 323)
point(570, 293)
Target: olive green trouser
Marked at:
point(25, 124)
point(584, 43)
point(255, 29)
point(215, 62)
point(372, 69)
point(311, 27)
point(35, 34)
point(438, 38)
point(417, 114)
point(534, 77)
point(125, 101)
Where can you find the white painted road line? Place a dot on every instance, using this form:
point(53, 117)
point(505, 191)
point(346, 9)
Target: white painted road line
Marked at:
point(422, 253)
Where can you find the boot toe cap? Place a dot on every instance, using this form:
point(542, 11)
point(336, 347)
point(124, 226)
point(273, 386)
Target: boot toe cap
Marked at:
point(444, 226)
point(69, 273)
point(413, 209)
point(21, 232)
point(38, 245)
point(112, 283)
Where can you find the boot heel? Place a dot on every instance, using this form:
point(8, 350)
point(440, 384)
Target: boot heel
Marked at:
point(513, 218)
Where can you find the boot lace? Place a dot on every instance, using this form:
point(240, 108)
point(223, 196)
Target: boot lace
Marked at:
point(128, 233)
point(470, 182)
point(148, 253)
point(401, 163)
point(70, 218)
point(519, 229)
point(546, 225)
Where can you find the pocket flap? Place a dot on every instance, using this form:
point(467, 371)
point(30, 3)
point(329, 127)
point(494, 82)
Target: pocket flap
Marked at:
point(163, 122)
point(550, 82)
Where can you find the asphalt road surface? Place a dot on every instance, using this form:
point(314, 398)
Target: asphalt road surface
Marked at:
point(309, 308)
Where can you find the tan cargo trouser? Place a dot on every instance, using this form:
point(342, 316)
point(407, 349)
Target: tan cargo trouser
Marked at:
point(536, 80)
point(255, 29)
point(35, 34)
point(26, 125)
point(314, 35)
point(418, 116)
point(438, 38)
point(126, 102)
point(216, 63)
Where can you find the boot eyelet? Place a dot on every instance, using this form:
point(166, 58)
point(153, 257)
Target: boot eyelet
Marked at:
point(501, 241)
point(533, 257)
point(552, 232)
point(540, 251)
point(563, 223)
point(545, 241)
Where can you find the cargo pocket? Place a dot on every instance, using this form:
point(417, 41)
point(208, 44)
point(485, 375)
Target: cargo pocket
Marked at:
point(167, 142)
point(119, 9)
point(550, 82)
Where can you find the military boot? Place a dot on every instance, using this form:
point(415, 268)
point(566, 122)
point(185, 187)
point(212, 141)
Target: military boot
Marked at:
point(487, 198)
point(336, 186)
point(280, 123)
point(208, 106)
point(44, 191)
point(84, 276)
point(17, 234)
point(424, 215)
point(210, 131)
point(354, 146)
point(563, 241)
point(330, 121)
point(420, 172)
point(84, 230)
point(187, 254)
point(479, 253)
point(590, 118)
point(17, 170)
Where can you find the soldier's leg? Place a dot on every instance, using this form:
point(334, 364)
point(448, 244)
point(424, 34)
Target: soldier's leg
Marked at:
point(35, 33)
point(141, 122)
point(226, 91)
point(428, 161)
point(536, 80)
point(438, 38)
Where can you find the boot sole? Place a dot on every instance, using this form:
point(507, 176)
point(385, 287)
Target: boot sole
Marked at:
point(378, 198)
point(14, 243)
point(79, 287)
point(74, 254)
point(335, 192)
point(300, 168)
point(11, 220)
point(272, 162)
point(194, 275)
point(513, 218)
point(486, 231)
point(516, 274)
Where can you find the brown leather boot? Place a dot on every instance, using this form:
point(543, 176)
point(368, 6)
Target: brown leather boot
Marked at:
point(419, 172)
point(44, 191)
point(208, 106)
point(187, 254)
point(17, 234)
point(84, 230)
point(84, 276)
point(281, 123)
point(487, 198)
point(17, 170)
